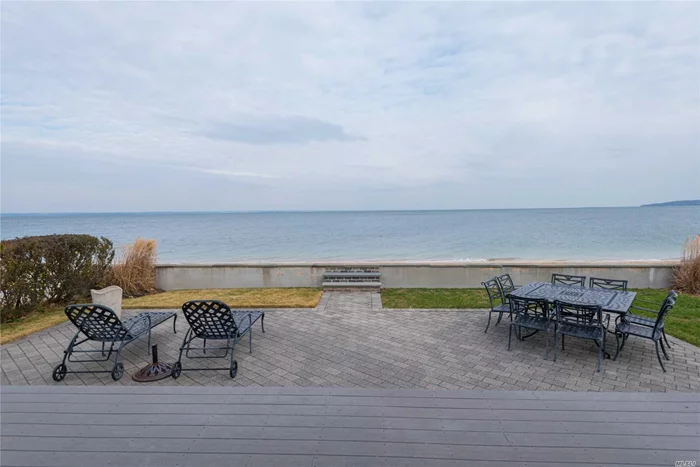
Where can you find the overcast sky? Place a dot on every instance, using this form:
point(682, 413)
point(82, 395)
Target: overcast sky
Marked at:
point(282, 106)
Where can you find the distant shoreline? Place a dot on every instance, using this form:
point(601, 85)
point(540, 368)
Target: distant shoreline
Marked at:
point(687, 202)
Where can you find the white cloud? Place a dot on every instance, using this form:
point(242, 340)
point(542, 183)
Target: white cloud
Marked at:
point(488, 102)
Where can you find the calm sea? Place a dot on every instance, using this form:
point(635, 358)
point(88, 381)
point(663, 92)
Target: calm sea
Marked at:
point(590, 233)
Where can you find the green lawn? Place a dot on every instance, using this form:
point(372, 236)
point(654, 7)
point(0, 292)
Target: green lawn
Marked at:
point(31, 323)
point(435, 298)
point(683, 321)
point(241, 298)
point(235, 298)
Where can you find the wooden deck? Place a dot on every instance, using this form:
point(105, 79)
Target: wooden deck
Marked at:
point(179, 426)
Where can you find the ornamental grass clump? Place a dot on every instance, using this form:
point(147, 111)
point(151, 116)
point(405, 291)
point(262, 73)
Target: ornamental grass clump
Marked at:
point(135, 270)
point(686, 276)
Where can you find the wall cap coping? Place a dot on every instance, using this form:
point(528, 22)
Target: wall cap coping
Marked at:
point(438, 264)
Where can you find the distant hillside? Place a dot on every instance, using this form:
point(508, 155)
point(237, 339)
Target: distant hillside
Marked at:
point(687, 202)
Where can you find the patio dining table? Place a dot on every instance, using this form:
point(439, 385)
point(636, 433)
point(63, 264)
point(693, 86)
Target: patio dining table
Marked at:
point(611, 301)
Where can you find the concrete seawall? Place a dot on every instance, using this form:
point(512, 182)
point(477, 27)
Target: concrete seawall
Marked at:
point(640, 274)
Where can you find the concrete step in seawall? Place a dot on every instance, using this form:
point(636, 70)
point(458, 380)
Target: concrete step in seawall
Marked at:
point(352, 278)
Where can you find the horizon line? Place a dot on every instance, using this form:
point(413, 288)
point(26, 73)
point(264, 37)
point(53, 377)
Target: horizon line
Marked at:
point(294, 211)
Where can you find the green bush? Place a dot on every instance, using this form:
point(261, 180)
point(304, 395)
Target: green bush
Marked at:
point(50, 269)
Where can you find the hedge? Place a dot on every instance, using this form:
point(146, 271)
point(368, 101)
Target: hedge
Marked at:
point(50, 269)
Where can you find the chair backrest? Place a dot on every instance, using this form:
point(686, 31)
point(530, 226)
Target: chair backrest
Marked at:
point(666, 308)
point(210, 319)
point(565, 279)
point(581, 315)
point(97, 322)
point(493, 290)
point(609, 284)
point(506, 283)
point(529, 307)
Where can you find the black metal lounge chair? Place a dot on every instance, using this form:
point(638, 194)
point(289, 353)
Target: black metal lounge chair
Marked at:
point(214, 320)
point(530, 314)
point(581, 321)
point(101, 324)
point(498, 302)
point(625, 327)
point(608, 284)
point(566, 279)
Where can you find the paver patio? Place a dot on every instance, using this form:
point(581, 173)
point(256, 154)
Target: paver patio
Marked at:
point(350, 341)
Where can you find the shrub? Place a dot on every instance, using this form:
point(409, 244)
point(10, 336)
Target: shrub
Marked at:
point(686, 276)
point(50, 268)
point(135, 270)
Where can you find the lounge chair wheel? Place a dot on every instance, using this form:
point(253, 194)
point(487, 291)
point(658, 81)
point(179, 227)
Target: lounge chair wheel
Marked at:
point(59, 372)
point(177, 369)
point(117, 371)
point(234, 369)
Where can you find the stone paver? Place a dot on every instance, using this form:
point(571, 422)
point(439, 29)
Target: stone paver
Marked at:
point(350, 341)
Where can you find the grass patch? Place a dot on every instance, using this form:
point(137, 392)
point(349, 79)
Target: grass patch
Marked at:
point(235, 298)
point(683, 322)
point(30, 323)
point(435, 298)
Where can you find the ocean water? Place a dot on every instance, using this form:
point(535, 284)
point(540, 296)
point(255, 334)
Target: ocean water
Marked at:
point(531, 234)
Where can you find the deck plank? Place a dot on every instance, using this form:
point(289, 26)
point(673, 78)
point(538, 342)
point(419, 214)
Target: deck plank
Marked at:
point(25, 423)
point(356, 392)
point(316, 427)
point(365, 401)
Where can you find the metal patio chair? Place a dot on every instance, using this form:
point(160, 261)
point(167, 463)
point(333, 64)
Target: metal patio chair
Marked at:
point(607, 284)
point(101, 324)
point(581, 321)
point(506, 284)
point(213, 320)
point(498, 302)
point(566, 279)
point(634, 318)
point(625, 327)
point(530, 314)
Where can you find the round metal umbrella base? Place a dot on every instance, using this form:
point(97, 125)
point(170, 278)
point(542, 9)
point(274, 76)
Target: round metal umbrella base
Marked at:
point(155, 371)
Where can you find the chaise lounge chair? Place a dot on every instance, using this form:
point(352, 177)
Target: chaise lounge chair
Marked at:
point(214, 320)
point(101, 324)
